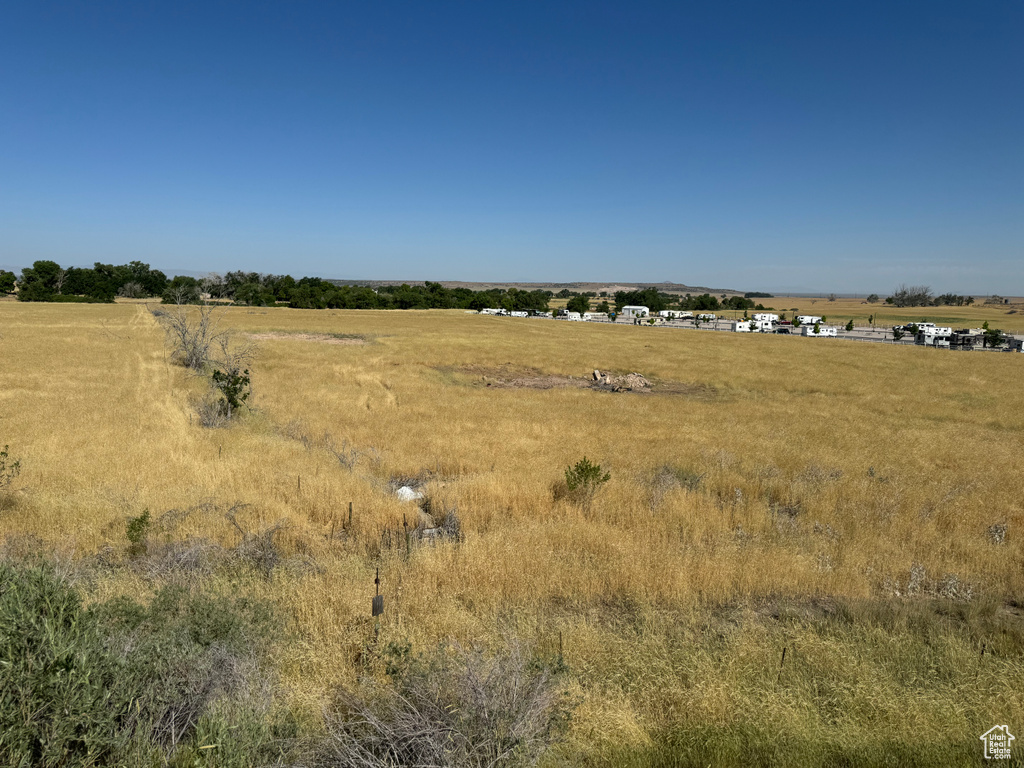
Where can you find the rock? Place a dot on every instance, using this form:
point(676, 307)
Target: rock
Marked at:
point(597, 375)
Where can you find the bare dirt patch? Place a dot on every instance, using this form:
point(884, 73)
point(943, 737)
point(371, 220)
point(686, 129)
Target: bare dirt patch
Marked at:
point(509, 377)
point(321, 338)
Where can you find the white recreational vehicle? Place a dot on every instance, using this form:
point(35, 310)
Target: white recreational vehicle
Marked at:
point(808, 319)
point(706, 317)
point(631, 312)
point(766, 317)
point(823, 330)
point(741, 326)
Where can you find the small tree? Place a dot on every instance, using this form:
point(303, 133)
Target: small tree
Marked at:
point(817, 328)
point(234, 385)
point(584, 479)
point(831, 297)
point(898, 333)
point(993, 338)
point(873, 298)
point(849, 325)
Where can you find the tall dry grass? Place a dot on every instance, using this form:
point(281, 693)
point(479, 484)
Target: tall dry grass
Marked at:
point(834, 478)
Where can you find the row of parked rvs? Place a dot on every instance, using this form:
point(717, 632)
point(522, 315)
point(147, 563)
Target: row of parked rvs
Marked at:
point(926, 334)
point(766, 322)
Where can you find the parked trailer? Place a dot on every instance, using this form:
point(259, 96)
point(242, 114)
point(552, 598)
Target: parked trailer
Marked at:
point(741, 326)
point(632, 312)
point(823, 330)
point(808, 319)
point(766, 317)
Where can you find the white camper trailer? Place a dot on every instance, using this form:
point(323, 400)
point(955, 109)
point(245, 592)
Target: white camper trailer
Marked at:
point(741, 326)
point(823, 330)
point(631, 312)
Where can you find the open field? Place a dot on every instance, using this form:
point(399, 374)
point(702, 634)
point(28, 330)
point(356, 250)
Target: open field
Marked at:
point(841, 501)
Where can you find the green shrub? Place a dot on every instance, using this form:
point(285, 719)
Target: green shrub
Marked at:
point(56, 701)
point(137, 532)
point(581, 482)
point(234, 385)
point(585, 476)
point(9, 469)
point(122, 683)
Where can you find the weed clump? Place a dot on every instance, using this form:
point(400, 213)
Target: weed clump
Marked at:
point(454, 708)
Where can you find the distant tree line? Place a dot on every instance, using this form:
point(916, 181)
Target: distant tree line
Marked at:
point(48, 281)
point(921, 296)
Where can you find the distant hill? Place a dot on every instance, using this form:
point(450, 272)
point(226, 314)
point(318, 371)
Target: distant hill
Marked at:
point(581, 287)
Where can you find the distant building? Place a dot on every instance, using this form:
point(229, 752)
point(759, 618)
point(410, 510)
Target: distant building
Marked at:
point(631, 312)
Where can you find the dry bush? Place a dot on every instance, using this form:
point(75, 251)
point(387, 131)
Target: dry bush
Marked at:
point(668, 478)
point(192, 332)
point(457, 709)
point(257, 550)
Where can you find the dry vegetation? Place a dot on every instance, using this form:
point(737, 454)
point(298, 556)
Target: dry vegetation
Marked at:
point(858, 505)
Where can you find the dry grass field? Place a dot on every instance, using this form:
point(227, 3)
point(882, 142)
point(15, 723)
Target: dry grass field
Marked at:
point(858, 505)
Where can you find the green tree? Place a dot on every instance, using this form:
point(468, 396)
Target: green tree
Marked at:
point(579, 304)
point(873, 298)
point(39, 282)
point(993, 338)
point(849, 325)
point(7, 281)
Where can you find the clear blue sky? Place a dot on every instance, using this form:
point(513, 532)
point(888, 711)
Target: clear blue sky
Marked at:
point(775, 145)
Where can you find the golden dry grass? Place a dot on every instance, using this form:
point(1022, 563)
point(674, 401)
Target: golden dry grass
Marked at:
point(829, 471)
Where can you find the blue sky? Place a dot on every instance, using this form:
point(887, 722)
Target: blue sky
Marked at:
point(842, 147)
